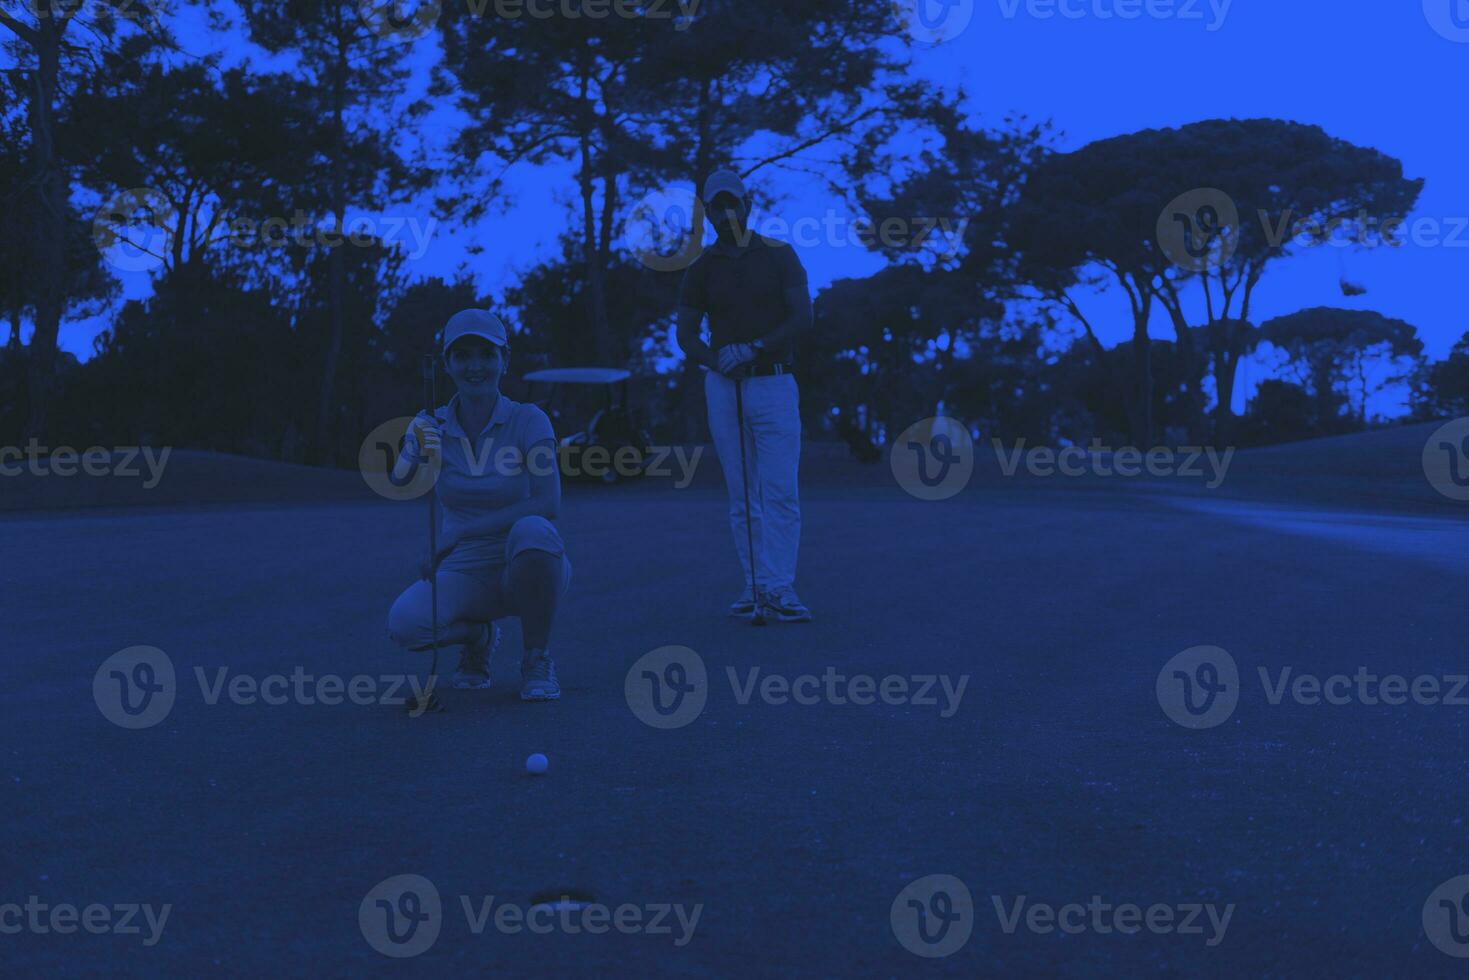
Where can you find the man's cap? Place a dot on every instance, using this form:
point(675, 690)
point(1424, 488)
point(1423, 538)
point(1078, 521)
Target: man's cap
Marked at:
point(475, 323)
point(722, 182)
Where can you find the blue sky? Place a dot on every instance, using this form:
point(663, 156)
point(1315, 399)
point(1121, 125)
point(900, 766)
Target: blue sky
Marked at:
point(1375, 73)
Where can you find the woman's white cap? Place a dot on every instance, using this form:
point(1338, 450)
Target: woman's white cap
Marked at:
point(475, 323)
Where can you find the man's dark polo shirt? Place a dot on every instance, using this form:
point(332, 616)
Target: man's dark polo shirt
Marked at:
point(744, 292)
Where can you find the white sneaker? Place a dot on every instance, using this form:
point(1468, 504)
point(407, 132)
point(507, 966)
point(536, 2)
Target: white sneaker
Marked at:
point(473, 673)
point(744, 605)
point(786, 606)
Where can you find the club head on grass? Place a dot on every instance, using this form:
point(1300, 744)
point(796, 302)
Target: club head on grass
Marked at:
point(431, 704)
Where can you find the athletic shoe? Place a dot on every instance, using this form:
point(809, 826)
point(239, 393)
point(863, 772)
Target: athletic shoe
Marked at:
point(473, 673)
point(744, 605)
point(786, 607)
point(538, 677)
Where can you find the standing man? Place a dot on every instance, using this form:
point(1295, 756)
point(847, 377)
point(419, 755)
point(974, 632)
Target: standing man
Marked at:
point(753, 290)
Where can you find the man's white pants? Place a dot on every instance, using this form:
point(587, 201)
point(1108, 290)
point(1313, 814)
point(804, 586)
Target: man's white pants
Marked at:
point(773, 455)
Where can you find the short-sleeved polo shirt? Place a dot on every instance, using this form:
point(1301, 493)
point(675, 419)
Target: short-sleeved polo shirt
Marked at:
point(487, 471)
point(743, 291)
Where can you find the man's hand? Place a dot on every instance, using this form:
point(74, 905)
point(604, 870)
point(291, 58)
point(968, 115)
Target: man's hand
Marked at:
point(732, 356)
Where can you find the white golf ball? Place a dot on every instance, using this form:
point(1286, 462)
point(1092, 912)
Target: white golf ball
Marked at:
point(537, 764)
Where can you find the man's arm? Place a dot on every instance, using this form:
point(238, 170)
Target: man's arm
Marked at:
point(797, 320)
point(690, 321)
point(692, 305)
point(797, 303)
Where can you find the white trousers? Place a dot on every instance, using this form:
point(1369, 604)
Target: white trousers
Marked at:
point(773, 455)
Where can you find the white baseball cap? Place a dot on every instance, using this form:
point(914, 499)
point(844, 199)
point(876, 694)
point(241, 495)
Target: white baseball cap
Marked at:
point(475, 323)
point(722, 182)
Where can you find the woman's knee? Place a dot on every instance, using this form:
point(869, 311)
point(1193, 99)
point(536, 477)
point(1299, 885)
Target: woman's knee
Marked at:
point(407, 622)
point(533, 534)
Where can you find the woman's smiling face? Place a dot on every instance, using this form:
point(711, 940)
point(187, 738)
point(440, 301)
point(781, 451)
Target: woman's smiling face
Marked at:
point(476, 365)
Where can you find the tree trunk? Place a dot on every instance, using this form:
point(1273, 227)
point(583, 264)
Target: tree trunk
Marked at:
point(616, 354)
point(693, 407)
point(1142, 359)
point(1227, 341)
point(50, 228)
point(336, 269)
point(1193, 372)
point(596, 298)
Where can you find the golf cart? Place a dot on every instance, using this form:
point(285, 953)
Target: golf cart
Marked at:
point(591, 405)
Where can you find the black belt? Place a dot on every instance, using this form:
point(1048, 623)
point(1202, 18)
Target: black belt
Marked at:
point(766, 370)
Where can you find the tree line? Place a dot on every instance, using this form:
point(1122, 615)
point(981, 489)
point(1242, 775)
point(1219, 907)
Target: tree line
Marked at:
point(292, 337)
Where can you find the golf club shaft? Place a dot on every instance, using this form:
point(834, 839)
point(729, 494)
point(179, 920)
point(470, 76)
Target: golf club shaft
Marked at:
point(430, 396)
